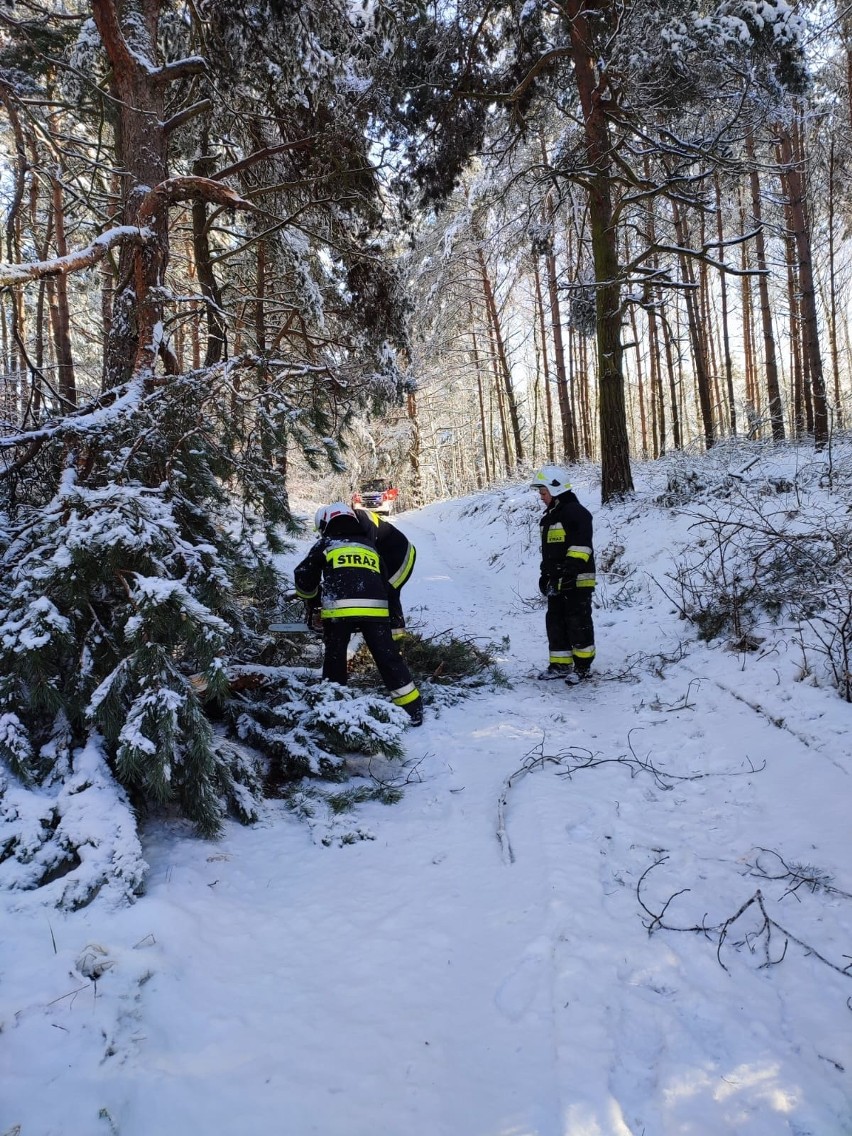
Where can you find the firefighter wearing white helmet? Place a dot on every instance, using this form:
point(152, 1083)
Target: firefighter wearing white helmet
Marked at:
point(567, 576)
point(394, 547)
point(344, 573)
point(553, 478)
point(326, 512)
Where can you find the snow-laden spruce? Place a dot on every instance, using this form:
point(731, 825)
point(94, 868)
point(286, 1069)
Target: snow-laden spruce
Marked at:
point(131, 582)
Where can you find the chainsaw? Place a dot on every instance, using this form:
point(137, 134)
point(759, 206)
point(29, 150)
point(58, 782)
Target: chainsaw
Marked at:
point(299, 618)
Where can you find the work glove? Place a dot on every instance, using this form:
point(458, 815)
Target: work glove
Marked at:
point(313, 616)
point(565, 582)
point(559, 584)
point(543, 584)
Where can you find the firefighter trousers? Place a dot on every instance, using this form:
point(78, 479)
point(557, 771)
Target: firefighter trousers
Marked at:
point(570, 630)
point(389, 662)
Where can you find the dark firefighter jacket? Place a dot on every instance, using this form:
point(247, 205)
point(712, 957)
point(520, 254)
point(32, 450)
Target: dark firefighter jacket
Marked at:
point(567, 558)
point(344, 562)
point(394, 547)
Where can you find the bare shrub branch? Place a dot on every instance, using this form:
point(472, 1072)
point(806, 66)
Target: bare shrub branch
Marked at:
point(575, 759)
point(762, 937)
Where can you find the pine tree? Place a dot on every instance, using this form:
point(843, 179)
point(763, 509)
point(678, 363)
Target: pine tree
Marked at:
point(652, 99)
point(137, 571)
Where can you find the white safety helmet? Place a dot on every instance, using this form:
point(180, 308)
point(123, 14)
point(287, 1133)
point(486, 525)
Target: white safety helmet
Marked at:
point(327, 513)
point(553, 478)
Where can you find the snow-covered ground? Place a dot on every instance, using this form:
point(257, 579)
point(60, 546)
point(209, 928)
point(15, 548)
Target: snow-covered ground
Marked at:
point(476, 959)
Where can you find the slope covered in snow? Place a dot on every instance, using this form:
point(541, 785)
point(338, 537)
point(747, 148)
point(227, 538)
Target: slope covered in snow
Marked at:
point(516, 948)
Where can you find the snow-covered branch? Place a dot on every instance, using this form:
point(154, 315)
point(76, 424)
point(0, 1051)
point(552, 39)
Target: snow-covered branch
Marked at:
point(180, 69)
point(111, 404)
point(702, 254)
point(186, 115)
point(187, 188)
point(12, 275)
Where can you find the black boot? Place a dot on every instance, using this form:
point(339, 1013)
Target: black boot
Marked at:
point(415, 713)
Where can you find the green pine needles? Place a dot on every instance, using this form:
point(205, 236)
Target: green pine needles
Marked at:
point(133, 582)
point(307, 728)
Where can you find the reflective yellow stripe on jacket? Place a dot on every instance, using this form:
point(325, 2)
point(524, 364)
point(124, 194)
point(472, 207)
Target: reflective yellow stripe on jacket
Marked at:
point(584, 553)
point(404, 571)
point(579, 551)
point(355, 607)
point(353, 556)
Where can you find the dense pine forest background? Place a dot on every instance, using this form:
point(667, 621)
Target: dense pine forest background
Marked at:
point(256, 249)
point(521, 231)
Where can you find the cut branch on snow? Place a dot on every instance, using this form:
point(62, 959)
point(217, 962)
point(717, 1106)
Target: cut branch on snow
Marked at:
point(575, 759)
point(721, 931)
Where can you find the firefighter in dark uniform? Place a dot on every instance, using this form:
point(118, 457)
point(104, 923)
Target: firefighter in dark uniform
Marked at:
point(398, 554)
point(344, 573)
point(567, 576)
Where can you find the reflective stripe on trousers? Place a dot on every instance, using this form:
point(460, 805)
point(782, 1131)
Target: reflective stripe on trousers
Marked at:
point(405, 694)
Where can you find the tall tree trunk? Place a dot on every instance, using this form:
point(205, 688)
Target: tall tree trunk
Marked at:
point(478, 368)
point(129, 36)
point(503, 371)
point(190, 329)
point(566, 415)
point(41, 299)
point(64, 355)
point(773, 390)
point(548, 398)
point(699, 354)
point(41, 327)
point(806, 388)
point(260, 298)
point(752, 390)
point(414, 451)
point(10, 401)
point(677, 435)
point(498, 391)
point(491, 442)
point(138, 85)
point(21, 399)
point(643, 424)
point(723, 292)
point(708, 335)
point(796, 376)
point(569, 439)
point(658, 407)
point(616, 475)
point(215, 350)
point(580, 377)
point(539, 423)
point(793, 186)
point(832, 280)
point(108, 275)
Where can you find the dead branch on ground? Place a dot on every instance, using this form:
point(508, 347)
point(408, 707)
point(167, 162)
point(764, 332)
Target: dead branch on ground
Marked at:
point(798, 875)
point(721, 932)
point(575, 759)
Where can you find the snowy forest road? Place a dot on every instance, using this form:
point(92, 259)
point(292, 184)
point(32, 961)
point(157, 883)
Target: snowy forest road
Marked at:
point(392, 971)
